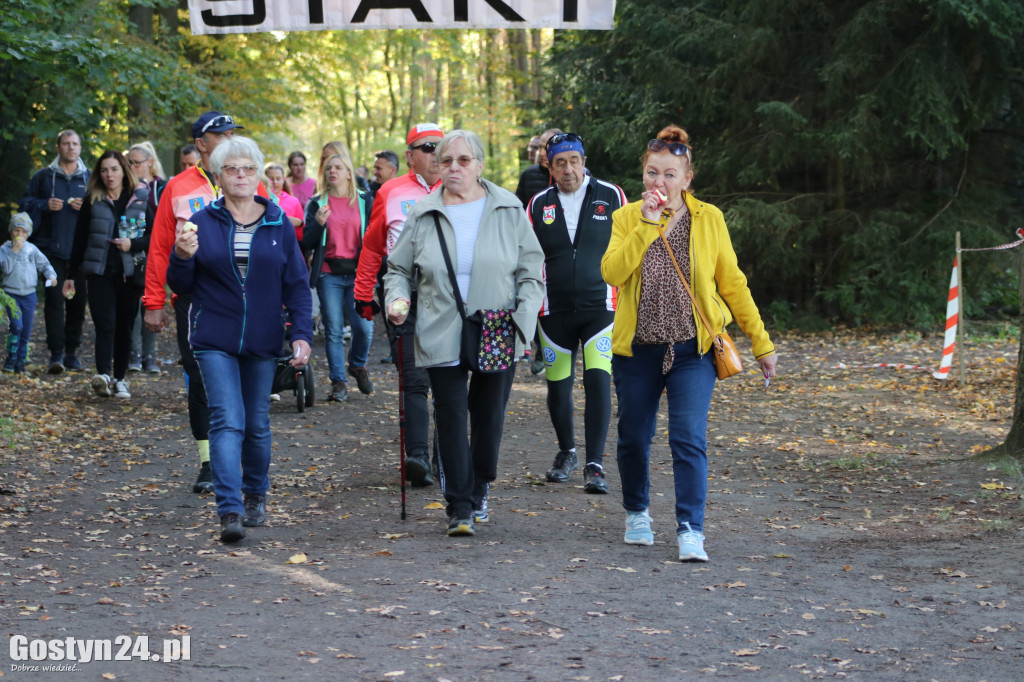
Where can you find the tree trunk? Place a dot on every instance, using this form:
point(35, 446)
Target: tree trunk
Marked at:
point(1014, 445)
point(140, 110)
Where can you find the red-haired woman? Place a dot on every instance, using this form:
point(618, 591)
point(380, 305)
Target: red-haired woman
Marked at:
point(658, 342)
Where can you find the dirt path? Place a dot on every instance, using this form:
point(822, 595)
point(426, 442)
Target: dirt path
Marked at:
point(850, 537)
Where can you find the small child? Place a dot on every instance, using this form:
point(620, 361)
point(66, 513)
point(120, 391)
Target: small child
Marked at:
point(21, 264)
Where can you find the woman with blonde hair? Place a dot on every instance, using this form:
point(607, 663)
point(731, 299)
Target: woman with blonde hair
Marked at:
point(146, 165)
point(336, 220)
point(659, 345)
point(280, 190)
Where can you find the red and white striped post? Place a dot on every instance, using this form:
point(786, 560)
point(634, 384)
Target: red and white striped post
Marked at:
point(952, 320)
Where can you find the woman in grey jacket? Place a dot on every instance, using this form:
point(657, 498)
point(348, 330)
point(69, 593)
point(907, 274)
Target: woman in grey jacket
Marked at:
point(497, 263)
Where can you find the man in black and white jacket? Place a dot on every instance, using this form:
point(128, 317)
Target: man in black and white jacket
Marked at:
point(573, 222)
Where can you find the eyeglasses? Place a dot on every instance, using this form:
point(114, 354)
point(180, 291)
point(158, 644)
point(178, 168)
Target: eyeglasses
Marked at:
point(426, 147)
point(464, 161)
point(249, 170)
point(133, 164)
point(563, 137)
point(677, 148)
point(217, 122)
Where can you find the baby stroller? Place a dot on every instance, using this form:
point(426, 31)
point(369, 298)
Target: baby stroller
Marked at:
point(298, 380)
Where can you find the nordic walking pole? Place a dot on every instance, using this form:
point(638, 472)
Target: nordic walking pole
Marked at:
point(401, 413)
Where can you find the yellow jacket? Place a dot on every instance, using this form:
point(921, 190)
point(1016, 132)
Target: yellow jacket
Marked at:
point(716, 279)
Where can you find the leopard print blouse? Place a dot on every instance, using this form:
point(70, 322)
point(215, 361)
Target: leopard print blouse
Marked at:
point(664, 313)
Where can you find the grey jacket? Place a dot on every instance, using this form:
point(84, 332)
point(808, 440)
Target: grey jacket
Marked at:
point(19, 272)
point(507, 261)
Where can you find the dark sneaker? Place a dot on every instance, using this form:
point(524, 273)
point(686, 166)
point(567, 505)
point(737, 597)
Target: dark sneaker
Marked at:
point(565, 464)
point(461, 527)
point(255, 510)
point(150, 366)
point(593, 479)
point(72, 363)
point(9, 365)
point(204, 482)
point(339, 392)
point(56, 364)
point(363, 379)
point(231, 528)
point(417, 468)
point(134, 365)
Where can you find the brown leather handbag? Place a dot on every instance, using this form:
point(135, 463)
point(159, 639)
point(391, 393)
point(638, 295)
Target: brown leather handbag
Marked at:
point(724, 352)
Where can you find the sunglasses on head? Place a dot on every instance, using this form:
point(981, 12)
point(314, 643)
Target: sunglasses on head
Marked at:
point(217, 122)
point(563, 137)
point(677, 148)
point(426, 147)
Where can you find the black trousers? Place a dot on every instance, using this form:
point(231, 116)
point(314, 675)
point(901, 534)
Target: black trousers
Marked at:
point(113, 304)
point(64, 318)
point(198, 408)
point(468, 465)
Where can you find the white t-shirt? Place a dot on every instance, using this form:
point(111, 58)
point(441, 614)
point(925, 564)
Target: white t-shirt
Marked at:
point(572, 204)
point(465, 220)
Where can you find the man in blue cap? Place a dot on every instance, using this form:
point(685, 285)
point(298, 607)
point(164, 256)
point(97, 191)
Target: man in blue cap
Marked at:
point(573, 222)
point(186, 193)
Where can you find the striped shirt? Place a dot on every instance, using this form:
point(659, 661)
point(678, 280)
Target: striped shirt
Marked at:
point(243, 240)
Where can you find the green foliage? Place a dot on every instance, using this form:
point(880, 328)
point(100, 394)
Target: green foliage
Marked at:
point(847, 143)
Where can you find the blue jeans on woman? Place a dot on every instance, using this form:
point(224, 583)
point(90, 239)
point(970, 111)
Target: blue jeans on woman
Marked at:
point(639, 385)
point(238, 392)
point(337, 300)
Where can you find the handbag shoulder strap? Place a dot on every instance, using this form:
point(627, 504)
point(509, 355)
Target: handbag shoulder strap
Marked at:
point(685, 284)
point(448, 264)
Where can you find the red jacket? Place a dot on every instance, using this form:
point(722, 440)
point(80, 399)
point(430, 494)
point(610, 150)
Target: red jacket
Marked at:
point(394, 200)
point(186, 193)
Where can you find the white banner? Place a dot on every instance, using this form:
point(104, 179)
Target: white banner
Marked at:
point(257, 16)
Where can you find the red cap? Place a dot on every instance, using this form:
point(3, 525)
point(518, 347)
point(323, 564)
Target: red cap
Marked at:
point(423, 130)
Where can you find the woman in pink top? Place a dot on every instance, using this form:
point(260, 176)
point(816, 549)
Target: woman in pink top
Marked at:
point(335, 222)
point(302, 185)
point(278, 186)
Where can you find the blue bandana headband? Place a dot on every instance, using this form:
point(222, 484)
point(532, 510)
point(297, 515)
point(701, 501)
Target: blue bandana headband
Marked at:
point(565, 146)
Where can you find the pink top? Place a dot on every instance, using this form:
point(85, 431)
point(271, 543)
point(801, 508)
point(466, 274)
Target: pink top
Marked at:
point(304, 190)
point(343, 230)
point(293, 209)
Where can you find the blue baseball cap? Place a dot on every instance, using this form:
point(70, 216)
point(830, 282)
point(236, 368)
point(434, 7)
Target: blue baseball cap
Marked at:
point(213, 122)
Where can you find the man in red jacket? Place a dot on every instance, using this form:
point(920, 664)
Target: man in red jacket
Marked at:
point(186, 193)
point(394, 200)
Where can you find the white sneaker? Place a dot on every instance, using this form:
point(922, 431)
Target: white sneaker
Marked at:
point(638, 528)
point(101, 385)
point(121, 389)
point(691, 545)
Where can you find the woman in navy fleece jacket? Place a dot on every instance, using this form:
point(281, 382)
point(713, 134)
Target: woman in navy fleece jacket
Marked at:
point(240, 261)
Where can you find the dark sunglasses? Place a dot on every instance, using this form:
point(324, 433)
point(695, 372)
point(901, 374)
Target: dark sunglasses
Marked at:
point(563, 137)
point(426, 147)
point(677, 148)
point(217, 122)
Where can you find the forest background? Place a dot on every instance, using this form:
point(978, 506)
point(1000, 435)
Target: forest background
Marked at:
point(847, 142)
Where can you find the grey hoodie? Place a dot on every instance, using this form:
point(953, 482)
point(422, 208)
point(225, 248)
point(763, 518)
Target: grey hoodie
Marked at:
point(19, 272)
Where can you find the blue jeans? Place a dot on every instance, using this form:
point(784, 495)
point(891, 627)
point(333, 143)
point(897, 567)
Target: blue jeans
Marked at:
point(337, 301)
point(639, 385)
point(238, 392)
point(20, 329)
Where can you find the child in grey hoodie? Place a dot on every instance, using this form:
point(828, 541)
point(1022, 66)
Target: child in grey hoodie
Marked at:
point(21, 264)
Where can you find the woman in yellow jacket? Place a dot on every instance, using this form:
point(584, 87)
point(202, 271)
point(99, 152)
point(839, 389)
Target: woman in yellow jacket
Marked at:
point(658, 342)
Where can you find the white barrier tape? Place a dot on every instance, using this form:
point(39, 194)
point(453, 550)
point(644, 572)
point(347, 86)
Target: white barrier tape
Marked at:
point(1020, 233)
